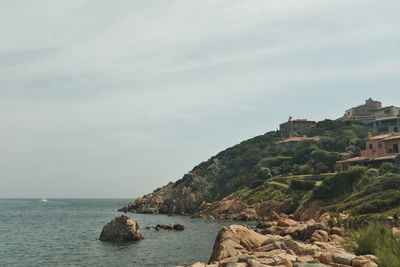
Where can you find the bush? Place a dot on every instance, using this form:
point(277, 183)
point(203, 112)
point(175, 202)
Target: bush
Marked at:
point(389, 181)
point(376, 239)
point(386, 167)
point(320, 167)
point(257, 183)
point(339, 184)
point(273, 161)
point(372, 172)
point(357, 172)
point(302, 185)
point(305, 169)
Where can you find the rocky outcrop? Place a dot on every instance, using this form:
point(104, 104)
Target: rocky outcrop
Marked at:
point(311, 230)
point(121, 228)
point(181, 197)
point(240, 246)
point(232, 208)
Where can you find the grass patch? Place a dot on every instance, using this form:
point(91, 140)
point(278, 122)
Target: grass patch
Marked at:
point(376, 239)
point(279, 184)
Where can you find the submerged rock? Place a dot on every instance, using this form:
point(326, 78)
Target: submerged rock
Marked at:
point(121, 228)
point(173, 226)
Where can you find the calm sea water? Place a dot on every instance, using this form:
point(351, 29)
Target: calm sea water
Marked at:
point(64, 232)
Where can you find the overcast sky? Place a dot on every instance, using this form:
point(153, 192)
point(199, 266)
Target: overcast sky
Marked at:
point(115, 98)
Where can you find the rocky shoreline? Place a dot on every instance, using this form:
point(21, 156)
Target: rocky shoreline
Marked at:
point(229, 208)
point(304, 238)
point(285, 235)
point(284, 242)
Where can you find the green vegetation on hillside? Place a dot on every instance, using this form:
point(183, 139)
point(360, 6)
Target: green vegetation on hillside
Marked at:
point(251, 163)
point(357, 192)
point(259, 169)
point(298, 172)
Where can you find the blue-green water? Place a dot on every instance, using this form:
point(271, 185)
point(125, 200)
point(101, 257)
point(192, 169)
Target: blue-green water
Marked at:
point(64, 232)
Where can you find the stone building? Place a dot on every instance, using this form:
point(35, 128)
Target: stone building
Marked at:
point(363, 112)
point(383, 119)
point(296, 126)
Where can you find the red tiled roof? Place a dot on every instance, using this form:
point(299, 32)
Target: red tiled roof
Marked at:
point(386, 157)
point(362, 117)
point(299, 139)
point(302, 120)
point(361, 159)
point(355, 159)
point(387, 118)
point(395, 137)
point(383, 136)
point(385, 107)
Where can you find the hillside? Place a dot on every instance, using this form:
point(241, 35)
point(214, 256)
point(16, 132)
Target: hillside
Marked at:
point(262, 169)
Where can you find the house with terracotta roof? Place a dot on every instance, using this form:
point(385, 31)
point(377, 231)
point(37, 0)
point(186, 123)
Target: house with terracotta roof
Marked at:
point(378, 149)
point(296, 126)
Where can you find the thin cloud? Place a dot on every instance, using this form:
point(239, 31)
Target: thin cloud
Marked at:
point(93, 89)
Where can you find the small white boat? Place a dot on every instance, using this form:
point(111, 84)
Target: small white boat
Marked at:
point(44, 199)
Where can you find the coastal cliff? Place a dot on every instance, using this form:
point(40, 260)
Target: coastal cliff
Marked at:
point(289, 185)
point(273, 173)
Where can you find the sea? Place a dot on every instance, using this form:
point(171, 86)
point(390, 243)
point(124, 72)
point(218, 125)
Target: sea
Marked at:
point(65, 232)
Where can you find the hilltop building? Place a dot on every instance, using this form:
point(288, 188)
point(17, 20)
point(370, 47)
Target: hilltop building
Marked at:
point(383, 119)
point(296, 126)
point(378, 149)
point(363, 112)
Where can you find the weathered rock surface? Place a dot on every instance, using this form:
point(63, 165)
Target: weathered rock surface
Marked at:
point(240, 246)
point(121, 228)
point(181, 197)
point(343, 258)
point(230, 208)
point(175, 198)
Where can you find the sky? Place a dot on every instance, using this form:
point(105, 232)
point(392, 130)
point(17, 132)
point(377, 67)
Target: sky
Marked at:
point(112, 99)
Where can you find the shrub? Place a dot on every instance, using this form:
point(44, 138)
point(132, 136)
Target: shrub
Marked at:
point(273, 161)
point(339, 184)
point(386, 167)
point(302, 185)
point(285, 168)
point(357, 172)
point(321, 167)
point(257, 183)
point(363, 182)
point(376, 239)
point(305, 169)
point(389, 181)
point(372, 172)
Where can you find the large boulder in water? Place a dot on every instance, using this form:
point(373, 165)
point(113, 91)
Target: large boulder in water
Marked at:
point(121, 228)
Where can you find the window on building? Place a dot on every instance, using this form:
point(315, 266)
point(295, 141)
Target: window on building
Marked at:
point(370, 146)
point(396, 148)
point(380, 145)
